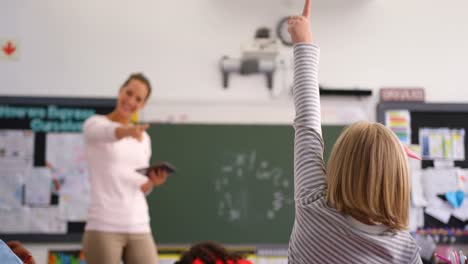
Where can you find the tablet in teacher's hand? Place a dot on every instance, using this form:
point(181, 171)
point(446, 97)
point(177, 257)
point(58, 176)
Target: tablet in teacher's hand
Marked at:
point(166, 166)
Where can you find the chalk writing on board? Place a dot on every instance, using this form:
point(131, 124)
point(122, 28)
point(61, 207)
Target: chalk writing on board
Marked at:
point(234, 186)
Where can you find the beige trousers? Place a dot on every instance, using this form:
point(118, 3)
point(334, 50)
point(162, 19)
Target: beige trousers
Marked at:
point(110, 248)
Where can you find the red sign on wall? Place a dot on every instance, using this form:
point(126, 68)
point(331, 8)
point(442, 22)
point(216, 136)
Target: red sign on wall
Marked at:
point(9, 49)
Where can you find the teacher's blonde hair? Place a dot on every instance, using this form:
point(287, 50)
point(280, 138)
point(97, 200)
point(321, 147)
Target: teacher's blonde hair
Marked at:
point(368, 176)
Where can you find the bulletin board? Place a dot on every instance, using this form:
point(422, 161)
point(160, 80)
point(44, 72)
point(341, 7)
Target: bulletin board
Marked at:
point(449, 121)
point(43, 175)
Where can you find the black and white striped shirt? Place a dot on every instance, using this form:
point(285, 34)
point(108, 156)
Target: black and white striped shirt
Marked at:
point(321, 234)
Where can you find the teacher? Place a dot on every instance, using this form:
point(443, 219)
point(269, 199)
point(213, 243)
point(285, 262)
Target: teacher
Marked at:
point(118, 219)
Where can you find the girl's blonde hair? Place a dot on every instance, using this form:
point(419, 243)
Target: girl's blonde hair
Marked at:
point(368, 176)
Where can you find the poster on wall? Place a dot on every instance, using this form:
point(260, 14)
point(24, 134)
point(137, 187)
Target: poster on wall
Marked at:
point(442, 143)
point(399, 121)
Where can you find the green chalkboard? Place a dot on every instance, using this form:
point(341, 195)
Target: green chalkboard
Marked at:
point(234, 183)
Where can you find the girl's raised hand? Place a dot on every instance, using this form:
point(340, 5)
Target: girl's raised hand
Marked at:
point(299, 26)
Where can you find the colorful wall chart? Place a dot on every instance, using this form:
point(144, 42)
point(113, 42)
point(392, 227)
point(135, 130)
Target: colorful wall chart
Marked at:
point(399, 121)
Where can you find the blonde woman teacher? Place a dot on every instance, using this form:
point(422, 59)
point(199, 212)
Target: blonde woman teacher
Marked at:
point(118, 220)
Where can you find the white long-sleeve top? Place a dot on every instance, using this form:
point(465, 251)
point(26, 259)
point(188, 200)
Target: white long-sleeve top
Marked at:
point(117, 202)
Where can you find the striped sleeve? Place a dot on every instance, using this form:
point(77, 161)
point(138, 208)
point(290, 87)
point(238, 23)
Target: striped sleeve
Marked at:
point(309, 169)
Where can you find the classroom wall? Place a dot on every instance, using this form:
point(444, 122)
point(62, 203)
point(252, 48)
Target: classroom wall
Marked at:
point(87, 48)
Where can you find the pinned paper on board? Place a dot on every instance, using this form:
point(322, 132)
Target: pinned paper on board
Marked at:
point(399, 121)
point(442, 143)
point(16, 148)
point(48, 220)
point(440, 211)
point(461, 212)
point(444, 190)
point(11, 189)
point(15, 221)
point(16, 157)
point(38, 187)
point(416, 218)
point(66, 157)
point(439, 181)
point(418, 198)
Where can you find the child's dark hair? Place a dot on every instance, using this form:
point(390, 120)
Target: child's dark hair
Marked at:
point(208, 252)
point(139, 77)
